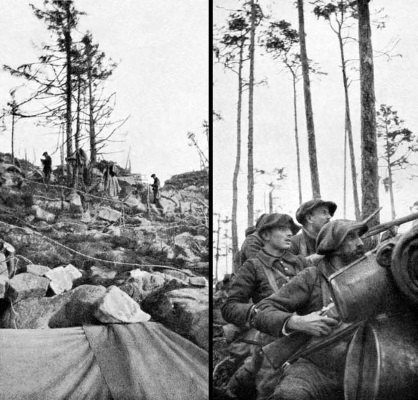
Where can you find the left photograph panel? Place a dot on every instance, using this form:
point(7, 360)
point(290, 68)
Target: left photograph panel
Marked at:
point(104, 200)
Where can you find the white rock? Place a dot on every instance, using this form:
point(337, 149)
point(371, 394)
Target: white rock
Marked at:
point(39, 270)
point(108, 214)
point(198, 281)
point(73, 272)
point(114, 230)
point(60, 280)
point(43, 215)
point(24, 286)
point(75, 202)
point(117, 307)
point(131, 201)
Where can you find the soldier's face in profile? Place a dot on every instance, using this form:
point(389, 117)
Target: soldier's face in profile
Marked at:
point(351, 248)
point(279, 238)
point(319, 216)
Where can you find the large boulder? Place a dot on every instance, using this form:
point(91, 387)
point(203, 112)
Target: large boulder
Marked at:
point(62, 278)
point(80, 308)
point(33, 246)
point(35, 269)
point(187, 247)
point(60, 281)
point(117, 307)
point(73, 308)
point(24, 286)
point(185, 311)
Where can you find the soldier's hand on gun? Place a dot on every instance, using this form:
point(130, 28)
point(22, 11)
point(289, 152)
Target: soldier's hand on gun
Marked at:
point(313, 324)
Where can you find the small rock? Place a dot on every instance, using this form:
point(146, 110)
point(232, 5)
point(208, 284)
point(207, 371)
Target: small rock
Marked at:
point(75, 202)
point(60, 280)
point(146, 280)
point(24, 286)
point(86, 217)
point(131, 201)
point(43, 215)
point(29, 218)
point(142, 221)
point(34, 269)
point(114, 230)
point(108, 214)
point(117, 307)
point(102, 272)
point(198, 281)
point(73, 272)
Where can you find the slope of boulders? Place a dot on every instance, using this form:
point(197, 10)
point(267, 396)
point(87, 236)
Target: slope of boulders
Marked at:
point(83, 258)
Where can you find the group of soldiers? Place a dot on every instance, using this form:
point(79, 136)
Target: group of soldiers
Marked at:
point(280, 288)
point(111, 185)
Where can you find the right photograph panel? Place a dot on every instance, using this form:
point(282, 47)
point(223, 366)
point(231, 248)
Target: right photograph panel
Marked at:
point(315, 207)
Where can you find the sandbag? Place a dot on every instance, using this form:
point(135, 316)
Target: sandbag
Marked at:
point(405, 266)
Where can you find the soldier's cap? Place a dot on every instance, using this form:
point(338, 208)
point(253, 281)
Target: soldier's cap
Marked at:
point(152, 176)
point(45, 153)
point(250, 230)
point(275, 220)
point(333, 233)
point(308, 206)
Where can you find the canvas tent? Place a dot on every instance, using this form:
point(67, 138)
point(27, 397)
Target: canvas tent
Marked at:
point(122, 362)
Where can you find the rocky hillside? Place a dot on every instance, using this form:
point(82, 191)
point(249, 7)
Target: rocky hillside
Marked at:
point(82, 257)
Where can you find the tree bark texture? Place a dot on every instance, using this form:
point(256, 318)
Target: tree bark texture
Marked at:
point(295, 112)
point(92, 133)
point(234, 229)
point(369, 157)
point(390, 181)
point(68, 92)
point(250, 173)
point(313, 164)
point(349, 130)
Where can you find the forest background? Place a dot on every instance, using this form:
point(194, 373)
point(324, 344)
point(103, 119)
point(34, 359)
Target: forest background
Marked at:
point(161, 81)
point(394, 41)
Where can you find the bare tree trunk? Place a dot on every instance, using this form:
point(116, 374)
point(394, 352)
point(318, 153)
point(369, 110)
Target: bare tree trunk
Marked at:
point(345, 172)
point(369, 158)
point(77, 129)
point(295, 112)
point(390, 181)
point(13, 135)
point(250, 173)
point(93, 147)
point(348, 128)
point(217, 248)
point(271, 201)
point(68, 117)
point(316, 192)
point(234, 224)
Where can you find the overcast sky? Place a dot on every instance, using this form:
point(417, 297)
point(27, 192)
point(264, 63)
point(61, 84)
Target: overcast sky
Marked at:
point(396, 83)
point(161, 80)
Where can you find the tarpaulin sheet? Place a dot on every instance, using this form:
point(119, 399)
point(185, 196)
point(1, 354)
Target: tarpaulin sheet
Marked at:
point(135, 361)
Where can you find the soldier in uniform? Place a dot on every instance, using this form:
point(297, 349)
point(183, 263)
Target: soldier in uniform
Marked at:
point(312, 215)
point(259, 277)
point(296, 308)
point(156, 188)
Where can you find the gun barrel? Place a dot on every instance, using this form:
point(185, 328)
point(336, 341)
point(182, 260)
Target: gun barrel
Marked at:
point(387, 225)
